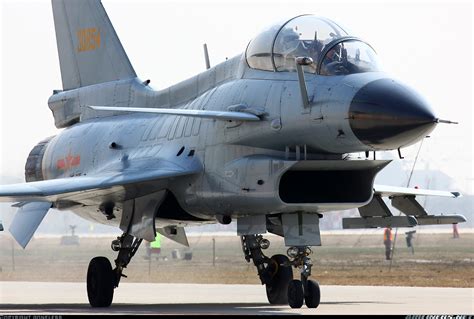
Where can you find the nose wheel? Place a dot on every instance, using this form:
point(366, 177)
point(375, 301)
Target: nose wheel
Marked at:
point(313, 294)
point(295, 294)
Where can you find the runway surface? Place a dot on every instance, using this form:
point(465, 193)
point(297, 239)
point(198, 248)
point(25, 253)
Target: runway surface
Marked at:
point(141, 298)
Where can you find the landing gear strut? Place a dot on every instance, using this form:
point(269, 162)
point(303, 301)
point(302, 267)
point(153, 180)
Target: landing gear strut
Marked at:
point(304, 289)
point(102, 279)
point(275, 272)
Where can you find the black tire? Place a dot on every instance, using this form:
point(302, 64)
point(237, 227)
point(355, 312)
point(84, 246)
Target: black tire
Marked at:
point(100, 282)
point(313, 295)
point(295, 294)
point(278, 286)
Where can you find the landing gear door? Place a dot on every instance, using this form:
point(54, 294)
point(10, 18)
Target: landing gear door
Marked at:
point(301, 229)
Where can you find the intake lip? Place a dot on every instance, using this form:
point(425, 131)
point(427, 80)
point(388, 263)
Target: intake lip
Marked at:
point(385, 114)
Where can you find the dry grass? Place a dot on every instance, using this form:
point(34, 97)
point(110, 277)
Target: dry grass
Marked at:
point(343, 260)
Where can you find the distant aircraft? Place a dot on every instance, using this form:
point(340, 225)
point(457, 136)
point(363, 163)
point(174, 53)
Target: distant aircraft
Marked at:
point(264, 138)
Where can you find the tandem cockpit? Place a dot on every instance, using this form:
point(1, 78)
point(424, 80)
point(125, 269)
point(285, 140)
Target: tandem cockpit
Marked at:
point(332, 49)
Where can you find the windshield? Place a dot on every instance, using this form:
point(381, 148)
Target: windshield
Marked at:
point(349, 57)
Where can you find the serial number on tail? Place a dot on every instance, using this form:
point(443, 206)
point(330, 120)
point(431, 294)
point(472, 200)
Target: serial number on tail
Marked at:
point(88, 39)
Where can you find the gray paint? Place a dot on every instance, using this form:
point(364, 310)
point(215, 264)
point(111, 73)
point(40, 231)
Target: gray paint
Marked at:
point(80, 26)
point(377, 222)
point(376, 207)
point(27, 220)
point(212, 167)
point(301, 229)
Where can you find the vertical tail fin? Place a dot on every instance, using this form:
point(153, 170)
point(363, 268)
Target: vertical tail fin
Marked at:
point(89, 50)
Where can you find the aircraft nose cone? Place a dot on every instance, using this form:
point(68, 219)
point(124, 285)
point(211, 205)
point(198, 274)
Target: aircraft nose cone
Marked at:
point(386, 115)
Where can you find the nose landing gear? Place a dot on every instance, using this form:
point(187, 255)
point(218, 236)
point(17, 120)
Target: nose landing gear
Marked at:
point(277, 275)
point(304, 289)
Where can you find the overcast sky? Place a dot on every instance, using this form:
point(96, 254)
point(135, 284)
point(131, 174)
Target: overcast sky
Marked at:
point(427, 45)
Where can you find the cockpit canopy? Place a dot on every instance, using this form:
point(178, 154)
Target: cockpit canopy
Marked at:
point(333, 51)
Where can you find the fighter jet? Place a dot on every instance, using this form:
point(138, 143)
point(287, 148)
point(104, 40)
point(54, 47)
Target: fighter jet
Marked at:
point(266, 138)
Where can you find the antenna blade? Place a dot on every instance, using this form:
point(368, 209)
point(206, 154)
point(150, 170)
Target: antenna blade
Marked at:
point(206, 57)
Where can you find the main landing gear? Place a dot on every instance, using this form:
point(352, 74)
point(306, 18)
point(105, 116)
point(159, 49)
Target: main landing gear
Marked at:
point(102, 279)
point(275, 272)
point(277, 275)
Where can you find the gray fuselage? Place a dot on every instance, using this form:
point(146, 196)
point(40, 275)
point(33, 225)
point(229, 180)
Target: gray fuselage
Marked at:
point(243, 161)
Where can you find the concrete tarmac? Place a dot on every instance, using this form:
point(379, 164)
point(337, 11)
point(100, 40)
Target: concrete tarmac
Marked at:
point(43, 298)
